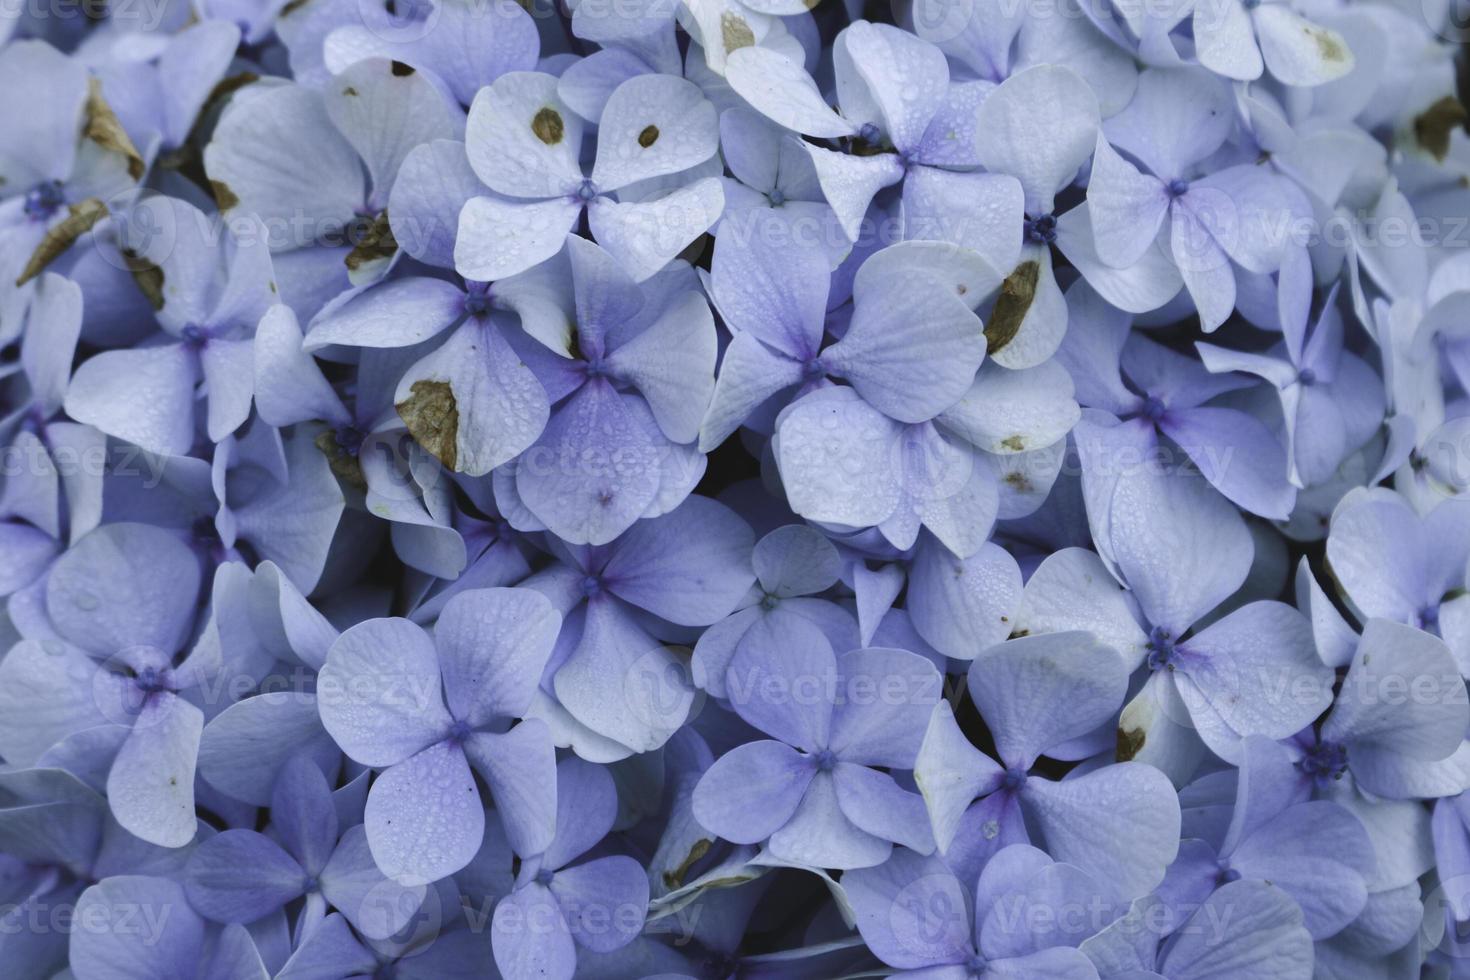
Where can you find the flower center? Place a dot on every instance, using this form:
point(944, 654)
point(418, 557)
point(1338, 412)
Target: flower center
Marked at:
point(1013, 780)
point(1160, 649)
point(194, 336)
point(587, 191)
point(1325, 762)
point(976, 965)
point(43, 200)
point(1178, 187)
point(1307, 376)
point(826, 760)
point(152, 680)
point(591, 586)
point(1042, 230)
point(477, 300)
point(349, 439)
point(544, 876)
point(776, 197)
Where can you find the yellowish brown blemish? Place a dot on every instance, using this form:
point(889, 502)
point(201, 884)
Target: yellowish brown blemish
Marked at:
point(548, 126)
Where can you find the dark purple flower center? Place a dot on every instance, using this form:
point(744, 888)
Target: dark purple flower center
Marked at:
point(591, 586)
point(43, 200)
point(152, 680)
point(1042, 230)
point(348, 438)
point(458, 732)
point(544, 876)
point(477, 300)
point(769, 602)
point(587, 191)
point(976, 965)
point(193, 336)
point(1014, 779)
point(1225, 874)
point(826, 760)
point(1325, 762)
point(1429, 618)
point(1307, 376)
point(869, 134)
point(1178, 187)
point(1161, 649)
point(777, 197)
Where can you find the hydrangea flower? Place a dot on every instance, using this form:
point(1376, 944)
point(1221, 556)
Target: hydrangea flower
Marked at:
point(917, 916)
point(1394, 564)
point(99, 663)
point(815, 791)
point(1394, 746)
point(325, 210)
point(611, 688)
point(1176, 121)
point(241, 876)
point(426, 709)
point(557, 906)
point(1037, 694)
point(67, 159)
point(216, 285)
point(1278, 836)
point(524, 143)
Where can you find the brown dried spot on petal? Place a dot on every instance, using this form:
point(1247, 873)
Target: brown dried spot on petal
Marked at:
point(376, 243)
point(1017, 481)
point(343, 464)
point(1014, 443)
point(675, 878)
point(400, 70)
point(1434, 126)
point(432, 417)
point(223, 196)
point(735, 32)
point(648, 137)
point(1016, 294)
point(548, 126)
point(83, 216)
point(104, 130)
point(1129, 743)
point(1328, 45)
point(292, 7)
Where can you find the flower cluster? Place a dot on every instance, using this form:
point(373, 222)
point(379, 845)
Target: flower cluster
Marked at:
point(727, 488)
